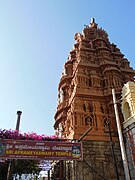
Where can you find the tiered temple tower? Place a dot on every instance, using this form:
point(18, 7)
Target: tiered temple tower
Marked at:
point(93, 68)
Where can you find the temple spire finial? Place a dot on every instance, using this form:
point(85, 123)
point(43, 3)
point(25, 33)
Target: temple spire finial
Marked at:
point(92, 23)
point(92, 20)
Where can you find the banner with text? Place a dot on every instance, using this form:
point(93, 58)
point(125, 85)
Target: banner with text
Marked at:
point(51, 150)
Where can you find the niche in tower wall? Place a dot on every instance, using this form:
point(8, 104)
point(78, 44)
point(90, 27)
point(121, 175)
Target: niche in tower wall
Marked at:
point(88, 121)
point(90, 107)
point(102, 109)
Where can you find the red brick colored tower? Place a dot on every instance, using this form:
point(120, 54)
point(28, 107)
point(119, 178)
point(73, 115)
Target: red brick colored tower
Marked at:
point(93, 67)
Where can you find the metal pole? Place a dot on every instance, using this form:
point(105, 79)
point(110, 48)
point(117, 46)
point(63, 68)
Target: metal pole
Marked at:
point(18, 120)
point(93, 169)
point(123, 152)
point(10, 166)
point(112, 148)
point(48, 175)
point(61, 172)
point(9, 171)
point(85, 133)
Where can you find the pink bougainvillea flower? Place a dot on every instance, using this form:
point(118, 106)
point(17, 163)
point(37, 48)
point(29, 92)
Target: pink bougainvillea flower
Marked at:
point(15, 134)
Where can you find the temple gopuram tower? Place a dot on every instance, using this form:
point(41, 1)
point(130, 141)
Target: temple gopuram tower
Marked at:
point(94, 66)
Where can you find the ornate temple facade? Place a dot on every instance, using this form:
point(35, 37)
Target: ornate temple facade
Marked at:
point(93, 68)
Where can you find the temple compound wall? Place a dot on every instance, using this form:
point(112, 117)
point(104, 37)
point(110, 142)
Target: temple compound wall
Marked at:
point(128, 109)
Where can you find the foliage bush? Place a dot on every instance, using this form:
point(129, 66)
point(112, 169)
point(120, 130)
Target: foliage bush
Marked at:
point(15, 134)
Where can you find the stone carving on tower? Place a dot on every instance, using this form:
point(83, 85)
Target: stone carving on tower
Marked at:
point(94, 66)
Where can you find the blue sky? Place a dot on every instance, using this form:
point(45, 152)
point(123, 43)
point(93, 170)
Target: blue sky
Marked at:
point(36, 37)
